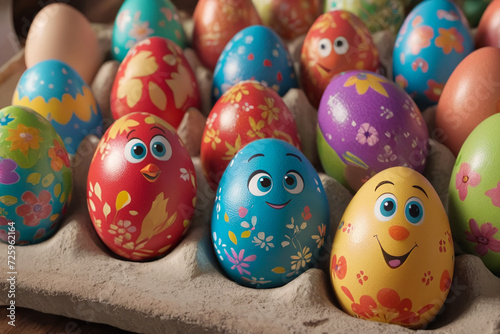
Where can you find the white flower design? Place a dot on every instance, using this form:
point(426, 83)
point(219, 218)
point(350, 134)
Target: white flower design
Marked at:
point(263, 241)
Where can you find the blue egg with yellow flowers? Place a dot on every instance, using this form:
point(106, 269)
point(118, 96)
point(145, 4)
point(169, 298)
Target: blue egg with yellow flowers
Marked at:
point(57, 92)
point(270, 218)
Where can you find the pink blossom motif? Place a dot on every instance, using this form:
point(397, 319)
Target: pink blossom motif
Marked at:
point(140, 32)
point(421, 64)
point(401, 81)
point(239, 260)
point(483, 237)
point(494, 194)
point(123, 19)
point(465, 178)
point(367, 135)
point(420, 38)
point(35, 208)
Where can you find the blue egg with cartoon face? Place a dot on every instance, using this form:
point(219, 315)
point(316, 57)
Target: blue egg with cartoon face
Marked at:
point(271, 216)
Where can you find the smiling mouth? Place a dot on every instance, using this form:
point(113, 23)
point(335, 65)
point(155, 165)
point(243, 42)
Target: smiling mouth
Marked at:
point(394, 261)
point(278, 206)
point(151, 172)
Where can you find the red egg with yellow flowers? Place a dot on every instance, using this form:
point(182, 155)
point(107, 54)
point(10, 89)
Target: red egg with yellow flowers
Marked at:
point(141, 187)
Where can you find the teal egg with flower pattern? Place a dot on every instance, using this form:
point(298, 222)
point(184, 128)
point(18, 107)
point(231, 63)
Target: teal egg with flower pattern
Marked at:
point(35, 177)
point(271, 216)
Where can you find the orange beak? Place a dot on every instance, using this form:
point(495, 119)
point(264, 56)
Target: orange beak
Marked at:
point(151, 172)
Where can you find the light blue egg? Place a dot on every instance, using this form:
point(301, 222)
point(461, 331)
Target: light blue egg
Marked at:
point(254, 53)
point(57, 92)
point(432, 41)
point(271, 216)
point(139, 19)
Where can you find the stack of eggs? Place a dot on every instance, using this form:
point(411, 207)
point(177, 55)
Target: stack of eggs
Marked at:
point(271, 219)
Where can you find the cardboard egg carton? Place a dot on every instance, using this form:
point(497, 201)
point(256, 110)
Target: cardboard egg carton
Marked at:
point(73, 274)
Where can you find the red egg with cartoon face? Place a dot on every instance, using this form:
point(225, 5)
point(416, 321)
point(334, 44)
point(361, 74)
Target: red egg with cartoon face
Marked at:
point(155, 77)
point(216, 22)
point(141, 187)
point(338, 41)
point(246, 112)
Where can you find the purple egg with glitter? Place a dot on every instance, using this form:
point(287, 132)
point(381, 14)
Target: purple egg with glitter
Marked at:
point(366, 124)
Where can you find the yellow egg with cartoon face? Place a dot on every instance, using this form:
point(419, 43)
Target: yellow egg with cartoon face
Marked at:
point(392, 257)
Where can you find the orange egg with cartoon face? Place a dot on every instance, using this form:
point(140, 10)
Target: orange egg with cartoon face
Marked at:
point(392, 257)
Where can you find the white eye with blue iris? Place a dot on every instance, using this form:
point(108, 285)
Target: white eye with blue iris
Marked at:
point(385, 207)
point(293, 182)
point(414, 211)
point(135, 151)
point(160, 148)
point(260, 183)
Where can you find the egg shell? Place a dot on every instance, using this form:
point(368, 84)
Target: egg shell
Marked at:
point(432, 41)
point(254, 53)
point(289, 18)
point(61, 32)
point(474, 194)
point(470, 96)
point(216, 22)
point(376, 14)
point(338, 41)
point(246, 112)
point(141, 187)
point(392, 256)
point(487, 33)
point(366, 124)
point(57, 92)
point(35, 177)
point(271, 215)
point(138, 19)
point(157, 78)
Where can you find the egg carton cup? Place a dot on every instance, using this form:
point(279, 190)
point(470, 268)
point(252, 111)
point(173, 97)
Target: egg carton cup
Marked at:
point(73, 273)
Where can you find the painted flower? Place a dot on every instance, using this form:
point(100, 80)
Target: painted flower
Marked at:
point(122, 227)
point(401, 81)
point(255, 128)
point(465, 178)
point(494, 194)
point(445, 281)
point(367, 134)
point(262, 241)
point(212, 135)
point(434, 91)
point(123, 19)
point(269, 111)
point(239, 261)
point(320, 238)
point(450, 39)
point(35, 208)
point(363, 81)
point(8, 174)
point(58, 156)
point(387, 156)
point(339, 267)
point(301, 259)
point(421, 64)
point(420, 38)
point(247, 107)
point(484, 237)
point(326, 22)
point(140, 31)
point(235, 94)
point(24, 138)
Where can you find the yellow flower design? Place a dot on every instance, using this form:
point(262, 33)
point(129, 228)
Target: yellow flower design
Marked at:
point(255, 128)
point(269, 110)
point(232, 150)
point(301, 259)
point(156, 220)
point(212, 135)
point(324, 24)
point(24, 138)
point(235, 94)
point(122, 228)
point(363, 81)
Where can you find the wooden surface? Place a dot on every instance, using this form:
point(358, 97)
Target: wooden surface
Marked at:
point(29, 321)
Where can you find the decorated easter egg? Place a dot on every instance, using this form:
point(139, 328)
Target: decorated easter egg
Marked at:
point(488, 30)
point(141, 187)
point(392, 256)
point(474, 194)
point(432, 41)
point(289, 18)
point(246, 112)
point(155, 77)
point(471, 95)
point(57, 92)
point(376, 14)
point(270, 218)
point(366, 124)
point(254, 53)
point(61, 32)
point(216, 22)
point(338, 41)
point(137, 20)
point(35, 177)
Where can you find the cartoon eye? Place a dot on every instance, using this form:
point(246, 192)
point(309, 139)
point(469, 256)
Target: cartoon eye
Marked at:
point(385, 207)
point(160, 148)
point(293, 182)
point(325, 47)
point(135, 151)
point(260, 183)
point(341, 46)
point(414, 211)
